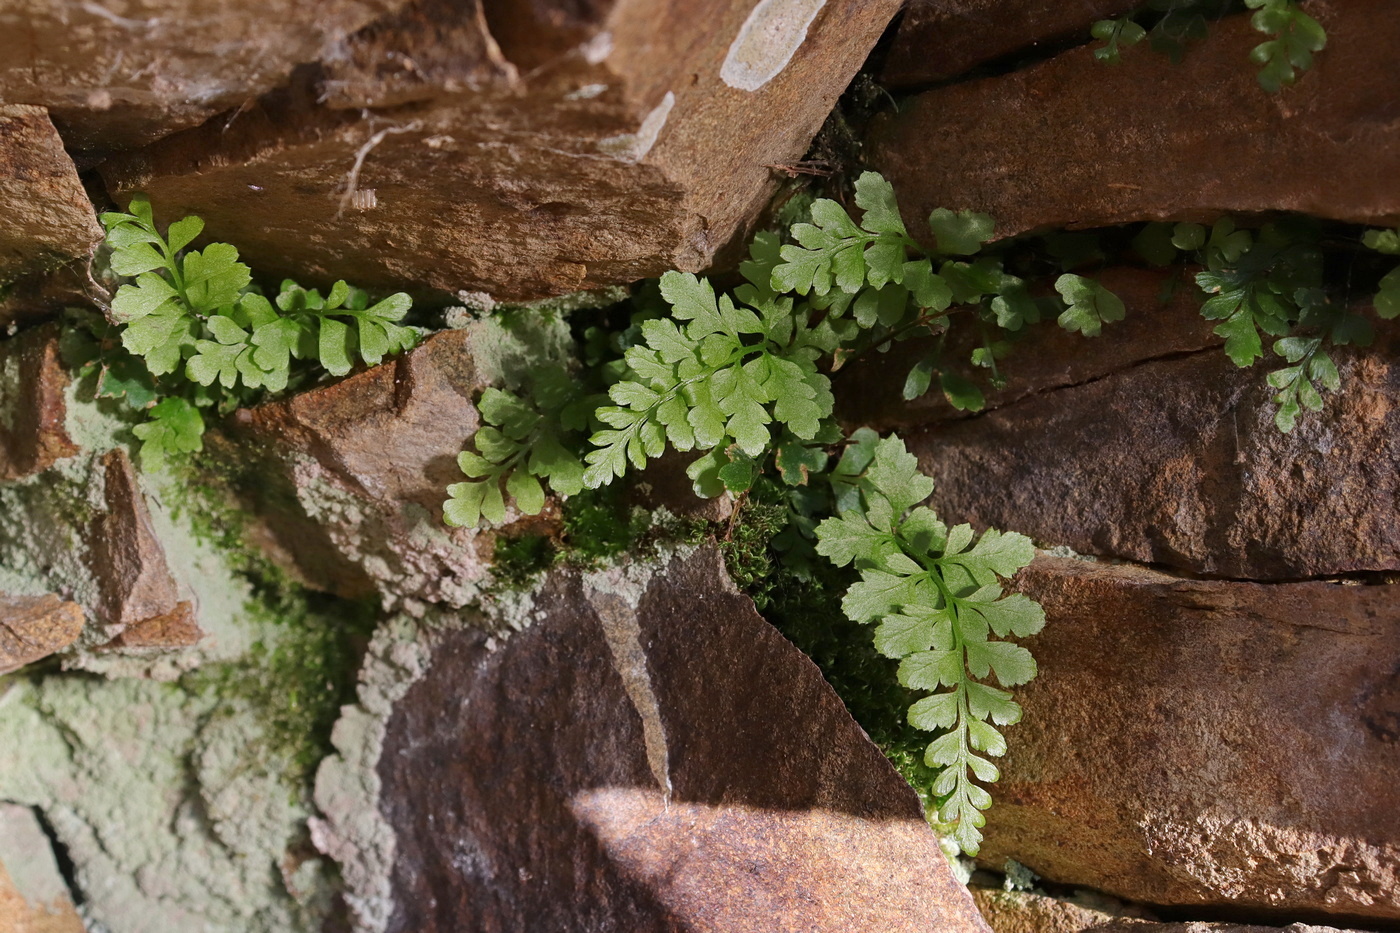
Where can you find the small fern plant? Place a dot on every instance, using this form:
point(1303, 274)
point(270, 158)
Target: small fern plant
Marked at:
point(742, 380)
point(190, 333)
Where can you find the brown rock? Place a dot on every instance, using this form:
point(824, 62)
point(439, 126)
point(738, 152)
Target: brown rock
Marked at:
point(33, 895)
point(621, 140)
point(648, 755)
point(32, 404)
point(48, 217)
point(34, 627)
point(1022, 912)
point(137, 595)
point(356, 473)
point(942, 39)
point(120, 74)
point(1052, 358)
point(1211, 744)
point(1075, 143)
point(1178, 462)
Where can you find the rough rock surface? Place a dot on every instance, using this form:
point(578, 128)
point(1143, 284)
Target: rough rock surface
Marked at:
point(1023, 912)
point(358, 473)
point(122, 73)
point(1178, 462)
point(34, 627)
point(48, 217)
point(1204, 743)
point(647, 755)
point(140, 600)
point(32, 405)
point(942, 39)
point(33, 895)
point(1075, 143)
point(586, 145)
point(1053, 358)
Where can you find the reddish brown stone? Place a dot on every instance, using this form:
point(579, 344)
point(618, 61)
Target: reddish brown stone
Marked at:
point(118, 75)
point(32, 404)
point(1211, 744)
point(1023, 912)
point(135, 586)
point(870, 391)
point(176, 629)
point(1075, 143)
point(619, 145)
point(34, 898)
point(942, 39)
point(48, 217)
point(1178, 462)
point(648, 755)
point(34, 627)
point(356, 473)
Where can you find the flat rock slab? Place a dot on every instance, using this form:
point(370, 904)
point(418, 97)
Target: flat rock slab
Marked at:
point(1024, 912)
point(1209, 744)
point(33, 407)
point(1178, 462)
point(34, 627)
point(942, 39)
point(549, 149)
point(1076, 143)
point(648, 755)
point(48, 217)
point(121, 74)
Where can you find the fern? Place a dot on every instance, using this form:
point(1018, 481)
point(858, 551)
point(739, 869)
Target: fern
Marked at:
point(190, 332)
point(1294, 36)
point(936, 595)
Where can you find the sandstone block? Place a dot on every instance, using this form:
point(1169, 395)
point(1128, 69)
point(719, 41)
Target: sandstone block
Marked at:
point(32, 404)
point(648, 754)
point(1178, 462)
point(48, 217)
point(1212, 744)
point(1023, 912)
point(1074, 143)
point(525, 152)
point(34, 627)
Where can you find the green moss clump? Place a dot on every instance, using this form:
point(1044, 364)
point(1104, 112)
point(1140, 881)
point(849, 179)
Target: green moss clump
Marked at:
point(600, 525)
point(518, 560)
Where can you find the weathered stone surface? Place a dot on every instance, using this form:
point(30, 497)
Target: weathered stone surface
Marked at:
point(647, 755)
point(1178, 462)
point(1023, 912)
point(589, 145)
point(34, 627)
point(870, 389)
point(125, 72)
point(1204, 743)
point(358, 471)
point(33, 895)
point(32, 406)
point(942, 39)
point(139, 598)
point(1073, 143)
point(48, 217)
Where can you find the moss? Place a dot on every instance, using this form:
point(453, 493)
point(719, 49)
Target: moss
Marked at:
point(518, 560)
point(599, 525)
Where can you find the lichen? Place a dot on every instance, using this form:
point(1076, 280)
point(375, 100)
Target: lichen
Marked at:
point(169, 822)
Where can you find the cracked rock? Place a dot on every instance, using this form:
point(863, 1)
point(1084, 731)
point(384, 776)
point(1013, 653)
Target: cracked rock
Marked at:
point(525, 150)
point(1178, 462)
point(648, 754)
point(34, 898)
point(1207, 744)
point(1074, 143)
